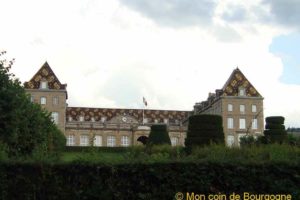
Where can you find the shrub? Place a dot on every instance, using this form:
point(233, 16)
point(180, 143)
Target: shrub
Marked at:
point(24, 127)
point(275, 130)
point(204, 130)
point(159, 135)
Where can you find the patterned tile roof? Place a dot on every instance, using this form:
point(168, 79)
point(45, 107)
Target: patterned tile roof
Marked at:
point(45, 73)
point(109, 113)
point(236, 80)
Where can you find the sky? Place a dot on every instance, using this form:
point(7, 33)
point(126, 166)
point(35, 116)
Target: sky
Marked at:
point(112, 53)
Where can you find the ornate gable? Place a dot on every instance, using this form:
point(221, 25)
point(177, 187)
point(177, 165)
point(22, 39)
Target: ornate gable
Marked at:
point(236, 81)
point(45, 73)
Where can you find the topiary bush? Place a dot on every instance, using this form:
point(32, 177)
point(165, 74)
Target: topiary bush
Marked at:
point(275, 130)
point(159, 135)
point(204, 130)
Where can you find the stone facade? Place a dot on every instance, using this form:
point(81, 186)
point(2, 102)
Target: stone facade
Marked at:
point(238, 102)
point(240, 106)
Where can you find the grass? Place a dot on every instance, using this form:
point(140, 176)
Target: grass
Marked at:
point(213, 153)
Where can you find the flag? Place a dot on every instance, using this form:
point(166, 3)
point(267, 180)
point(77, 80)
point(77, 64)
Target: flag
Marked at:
point(144, 101)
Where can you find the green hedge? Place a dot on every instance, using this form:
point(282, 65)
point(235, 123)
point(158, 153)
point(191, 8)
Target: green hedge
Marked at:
point(204, 130)
point(275, 120)
point(144, 181)
point(159, 135)
point(275, 126)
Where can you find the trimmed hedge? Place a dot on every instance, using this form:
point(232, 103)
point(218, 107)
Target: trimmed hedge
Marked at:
point(275, 120)
point(275, 126)
point(275, 130)
point(144, 181)
point(159, 135)
point(204, 130)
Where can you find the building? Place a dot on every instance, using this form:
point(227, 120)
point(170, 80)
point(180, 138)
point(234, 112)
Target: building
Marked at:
point(237, 102)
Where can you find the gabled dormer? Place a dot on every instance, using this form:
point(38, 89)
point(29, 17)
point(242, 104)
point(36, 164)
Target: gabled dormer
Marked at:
point(238, 85)
point(45, 79)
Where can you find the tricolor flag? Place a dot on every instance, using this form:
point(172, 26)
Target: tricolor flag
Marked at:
point(144, 101)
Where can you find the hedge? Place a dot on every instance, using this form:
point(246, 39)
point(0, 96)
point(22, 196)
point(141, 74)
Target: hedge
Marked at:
point(159, 135)
point(275, 126)
point(144, 181)
point(204, 130)
point(275, 120)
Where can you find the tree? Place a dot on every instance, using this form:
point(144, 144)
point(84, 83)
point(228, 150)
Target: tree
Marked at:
point(204, 130)
point(275, 130)
point(159, 135)
point(24, 127)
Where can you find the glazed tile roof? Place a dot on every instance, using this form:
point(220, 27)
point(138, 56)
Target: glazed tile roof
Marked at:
point(45, 73)
point(109, 113)
point(236, 80)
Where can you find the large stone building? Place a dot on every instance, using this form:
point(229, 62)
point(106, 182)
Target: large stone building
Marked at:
point(238, 102)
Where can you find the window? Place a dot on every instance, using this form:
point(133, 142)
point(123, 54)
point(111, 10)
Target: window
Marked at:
point(230, 107)
point(103, 119)
point(43, 100)
point(70, 140)
point(55, 100)
point(44, 85)
point(242, 109)
point(125, 141)
point(54, 116)
point(254, 124)
point(156, 121)
point(230, 140)
point(31, 98)
point(166, 121)
point(242, 91)
point(98, 141)
point(84, 140)
point(229, 123)
point(70, 118)
point(253, 108)
point(174, 141)
point(111, 141)
point(81, 118)
point(93, 119)
point(242, 123)
point(145, 120)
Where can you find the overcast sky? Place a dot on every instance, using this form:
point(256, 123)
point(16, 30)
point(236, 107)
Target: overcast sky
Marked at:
point(111, 53)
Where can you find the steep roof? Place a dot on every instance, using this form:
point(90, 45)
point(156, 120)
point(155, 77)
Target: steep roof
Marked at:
point(236, 80)
point(47, 74)
point(109, 113)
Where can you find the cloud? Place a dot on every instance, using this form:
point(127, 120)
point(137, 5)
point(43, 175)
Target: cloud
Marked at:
point(234, 13)
point(175, 13)
point(284, 12)
point(287, 47)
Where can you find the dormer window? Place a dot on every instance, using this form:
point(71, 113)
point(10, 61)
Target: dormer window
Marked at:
point(242, 91)
point(81, 118)
point(103, 119)
point(44, 85)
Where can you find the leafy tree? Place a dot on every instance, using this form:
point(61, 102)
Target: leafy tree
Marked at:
point(275, 130)
point(204, 130)
point(159, 135)
point(24, 127)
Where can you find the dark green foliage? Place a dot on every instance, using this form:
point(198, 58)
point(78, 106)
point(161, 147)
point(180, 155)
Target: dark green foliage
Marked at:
point(275, 130)
point(144, 181)
point(25, 128)
point(204, 130)
point(275, 120)
point(159, 135)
